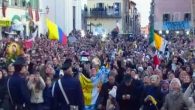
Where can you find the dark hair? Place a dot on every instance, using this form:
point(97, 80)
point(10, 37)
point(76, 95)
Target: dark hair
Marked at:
point(67, 64)
point(18, 68)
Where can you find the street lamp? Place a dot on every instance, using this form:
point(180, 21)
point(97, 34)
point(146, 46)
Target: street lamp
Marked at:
point(160, 32)
point(44, 12)
point(177, 32)
point(47, 9)
point(187, 32)
point(167, 31)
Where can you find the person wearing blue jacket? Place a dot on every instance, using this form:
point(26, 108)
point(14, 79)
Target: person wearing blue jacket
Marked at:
point(17, 86)
point(71, 87)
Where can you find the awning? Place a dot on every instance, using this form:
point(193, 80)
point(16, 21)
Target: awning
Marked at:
point(16, 17)
point(5, 23)
point(17, 25)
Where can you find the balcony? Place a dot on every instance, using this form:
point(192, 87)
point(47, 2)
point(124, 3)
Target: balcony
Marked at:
point(102, 13)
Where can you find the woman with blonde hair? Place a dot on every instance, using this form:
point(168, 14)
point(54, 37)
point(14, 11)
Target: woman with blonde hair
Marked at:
point(36, 85)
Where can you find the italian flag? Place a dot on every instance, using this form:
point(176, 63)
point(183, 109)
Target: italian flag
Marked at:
point(157, 41)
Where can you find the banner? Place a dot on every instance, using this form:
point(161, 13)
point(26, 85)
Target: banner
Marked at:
point(180, 25)
point(5, 23)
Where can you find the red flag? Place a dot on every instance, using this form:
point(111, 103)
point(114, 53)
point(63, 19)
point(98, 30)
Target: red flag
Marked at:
point(30, 12)
point(37, 15)
point(156, 60)
point(28, 44)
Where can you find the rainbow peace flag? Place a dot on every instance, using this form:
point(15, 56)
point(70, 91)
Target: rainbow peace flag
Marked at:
point(55, 32)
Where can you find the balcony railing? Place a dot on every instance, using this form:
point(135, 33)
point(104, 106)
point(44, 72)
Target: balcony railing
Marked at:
point(101, 13)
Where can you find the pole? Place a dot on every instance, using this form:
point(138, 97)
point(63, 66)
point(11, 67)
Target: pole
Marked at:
point(90, 27)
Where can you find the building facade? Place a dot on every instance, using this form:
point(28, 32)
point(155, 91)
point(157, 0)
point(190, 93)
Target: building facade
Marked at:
point(21, 14)
point(171, 15)
point(193, 15)
point(102, 16)
point(131, 23)
point(65, 13)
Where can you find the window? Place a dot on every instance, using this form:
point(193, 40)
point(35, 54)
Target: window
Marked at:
point(14, 2)
point(19, 3)
point(24, 4)
point(166, 17)
point(187, 17)
point(34, 3)
point(117, 8)
point(100, 5)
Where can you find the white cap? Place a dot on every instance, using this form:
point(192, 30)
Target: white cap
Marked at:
point(61, 73)
point(113, 92)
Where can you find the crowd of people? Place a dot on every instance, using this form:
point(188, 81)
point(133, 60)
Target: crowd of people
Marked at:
point(46, 76)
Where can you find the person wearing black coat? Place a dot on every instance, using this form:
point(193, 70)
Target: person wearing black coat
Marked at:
point(153, 90)
point(129, 93)
point(17, 86)
point(71, 87)
point(103, 96)
point(47, 94)
point(2, 89)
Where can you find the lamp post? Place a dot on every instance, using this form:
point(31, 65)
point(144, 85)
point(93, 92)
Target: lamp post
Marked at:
point(47, 10)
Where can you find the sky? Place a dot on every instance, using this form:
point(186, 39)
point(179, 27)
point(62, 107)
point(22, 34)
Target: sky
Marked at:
point(143, 7)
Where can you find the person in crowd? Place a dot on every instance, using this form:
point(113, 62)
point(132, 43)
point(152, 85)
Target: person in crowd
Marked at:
point(103, 96)
point(146, 80)
point(175, 97)
point(67, 91)
point(153, 91)
point(56, 67)
point(30, 63)
point(49, 71)
point(165, 87)
point(121, 72)
point(190, 93)
point(36, 85)
point(47, 94)
point(128, 96)
point(11, 70)
point(186, 82)
point(170, 75)
point(2, 89)
point(111, 102)
point(17, 86)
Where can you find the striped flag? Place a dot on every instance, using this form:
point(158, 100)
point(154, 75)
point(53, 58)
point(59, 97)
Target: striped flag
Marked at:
point(157, 40)
point(56, 33)
point(91, 87)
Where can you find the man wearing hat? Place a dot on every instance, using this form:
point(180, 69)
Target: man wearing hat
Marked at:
point(17, 86)
point(67, 92)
